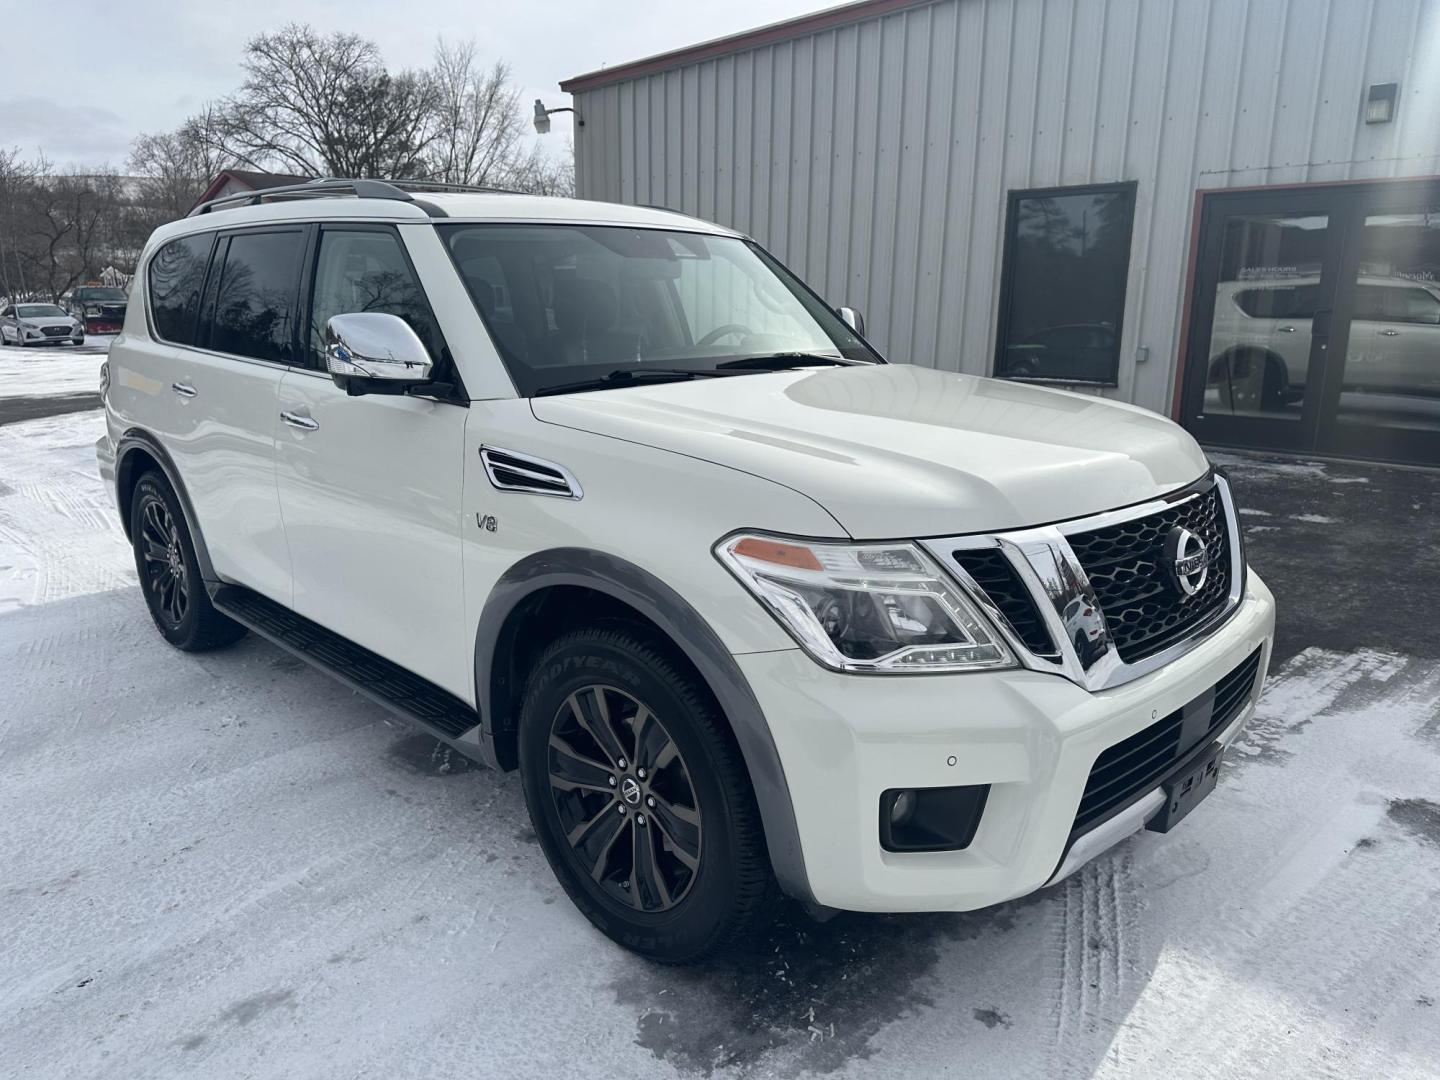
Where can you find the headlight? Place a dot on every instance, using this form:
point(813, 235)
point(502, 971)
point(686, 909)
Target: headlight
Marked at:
point(882, 608)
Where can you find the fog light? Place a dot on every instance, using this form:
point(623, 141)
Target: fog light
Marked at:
point(903, 809)
point(931, 819)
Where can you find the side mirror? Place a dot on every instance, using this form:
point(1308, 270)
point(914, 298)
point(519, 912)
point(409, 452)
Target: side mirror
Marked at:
point(852, 318)
point(372, 352)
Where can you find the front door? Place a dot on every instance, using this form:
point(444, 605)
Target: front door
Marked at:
point(371, 487)
point(1316, 321)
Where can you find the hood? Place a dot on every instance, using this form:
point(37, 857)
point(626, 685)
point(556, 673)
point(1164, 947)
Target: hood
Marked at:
point(899, 451)
point(50, 320)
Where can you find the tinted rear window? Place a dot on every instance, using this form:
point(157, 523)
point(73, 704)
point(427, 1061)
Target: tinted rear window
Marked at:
point(255, 303)
point(177, 274)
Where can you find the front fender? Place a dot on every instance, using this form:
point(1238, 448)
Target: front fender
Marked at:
point(688, 630)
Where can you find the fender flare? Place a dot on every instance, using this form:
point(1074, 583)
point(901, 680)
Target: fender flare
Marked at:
point(658, 602)
point(139, 439)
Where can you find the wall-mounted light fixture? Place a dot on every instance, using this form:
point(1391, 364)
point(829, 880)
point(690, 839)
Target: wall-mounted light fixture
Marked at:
point(1380, 103)
point(542, 117)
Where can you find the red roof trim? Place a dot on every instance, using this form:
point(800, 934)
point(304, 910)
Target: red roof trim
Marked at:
point(749, 39)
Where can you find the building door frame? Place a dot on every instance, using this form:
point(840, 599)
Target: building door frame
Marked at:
point(1320, 427)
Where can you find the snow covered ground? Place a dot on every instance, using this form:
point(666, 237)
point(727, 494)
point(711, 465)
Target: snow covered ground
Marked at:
point(228, 865)
point(54, 369)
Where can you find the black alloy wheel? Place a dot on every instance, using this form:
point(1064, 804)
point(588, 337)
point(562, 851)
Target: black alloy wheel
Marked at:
point(624, 797)
point(165, 576)
point(169, 571)
point(639, 795)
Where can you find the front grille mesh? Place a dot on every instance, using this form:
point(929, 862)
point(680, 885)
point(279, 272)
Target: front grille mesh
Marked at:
point(1140, 763)
point(1145, 611)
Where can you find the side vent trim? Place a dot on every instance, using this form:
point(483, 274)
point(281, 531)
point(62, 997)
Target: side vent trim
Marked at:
point(510, 470)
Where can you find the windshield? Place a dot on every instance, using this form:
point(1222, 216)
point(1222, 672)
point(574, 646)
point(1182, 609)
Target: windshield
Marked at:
point(41, 311)
point(90, 293)
point(571, 303)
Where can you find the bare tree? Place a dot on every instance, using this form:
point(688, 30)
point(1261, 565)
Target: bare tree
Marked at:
point(175, 167)
point(324, 105)
point(63, 229)
point(17, 176)
point(479, 125)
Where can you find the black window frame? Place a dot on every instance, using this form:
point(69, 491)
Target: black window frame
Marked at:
point(219, 250)
point(150, 324)
point(444, 362)
point(1128, 189)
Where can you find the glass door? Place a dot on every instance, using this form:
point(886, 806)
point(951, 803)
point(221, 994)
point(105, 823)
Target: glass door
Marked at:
point(1262, 320)
point(1382, 391)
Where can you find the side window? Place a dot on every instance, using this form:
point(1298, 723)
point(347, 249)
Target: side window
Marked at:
point(366, 270)
point(177, 274)
point(255, 304)
point(1417, 306)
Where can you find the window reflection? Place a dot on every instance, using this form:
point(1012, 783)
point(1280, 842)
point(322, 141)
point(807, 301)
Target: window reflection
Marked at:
point(1265, 305)
point(1392, 364)
point(1067, 255)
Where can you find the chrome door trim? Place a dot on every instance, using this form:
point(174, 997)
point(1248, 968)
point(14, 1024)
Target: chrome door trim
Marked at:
point(295, 420)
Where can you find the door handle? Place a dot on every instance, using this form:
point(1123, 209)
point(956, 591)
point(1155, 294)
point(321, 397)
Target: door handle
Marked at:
point(1389, 333)
point(295, 420)
point(1286, 329)
point(183, 389)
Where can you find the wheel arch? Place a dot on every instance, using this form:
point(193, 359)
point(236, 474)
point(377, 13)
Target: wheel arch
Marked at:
point(138, 452)
point(596, 585)
point(1272, 359)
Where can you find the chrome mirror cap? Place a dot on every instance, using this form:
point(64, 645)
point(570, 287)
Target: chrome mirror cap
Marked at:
point(852, 318)
point(374, 345)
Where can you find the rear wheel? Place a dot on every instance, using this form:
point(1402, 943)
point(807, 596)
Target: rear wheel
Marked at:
point(1250, 381)
point(639, 796)
point(170, 574)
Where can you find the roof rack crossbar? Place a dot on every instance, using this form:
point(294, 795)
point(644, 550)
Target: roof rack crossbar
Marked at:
point(326, 186)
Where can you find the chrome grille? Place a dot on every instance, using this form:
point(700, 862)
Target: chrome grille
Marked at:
point(1145, 610)
point(1097, 599)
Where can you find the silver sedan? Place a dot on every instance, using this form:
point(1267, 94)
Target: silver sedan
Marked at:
point(39, 324)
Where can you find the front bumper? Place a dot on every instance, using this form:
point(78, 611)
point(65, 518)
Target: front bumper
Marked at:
point(845, 739)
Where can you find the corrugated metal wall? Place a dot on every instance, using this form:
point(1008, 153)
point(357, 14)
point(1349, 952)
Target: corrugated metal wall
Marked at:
point(874, 158)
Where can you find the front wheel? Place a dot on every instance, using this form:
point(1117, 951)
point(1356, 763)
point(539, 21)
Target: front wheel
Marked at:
point(170, 573)
point(639, 796)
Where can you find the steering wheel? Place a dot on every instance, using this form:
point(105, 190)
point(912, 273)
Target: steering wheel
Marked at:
point(720, 331)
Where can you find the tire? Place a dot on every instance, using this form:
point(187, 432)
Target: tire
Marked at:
point(703, 874)
point(170, 573)
point(1250, 382)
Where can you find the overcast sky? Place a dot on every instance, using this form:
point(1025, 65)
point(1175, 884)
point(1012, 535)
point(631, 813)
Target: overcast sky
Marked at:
point(80, 80)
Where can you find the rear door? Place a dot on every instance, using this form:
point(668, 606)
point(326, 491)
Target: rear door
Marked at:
point(206, 382)
point(371, 486)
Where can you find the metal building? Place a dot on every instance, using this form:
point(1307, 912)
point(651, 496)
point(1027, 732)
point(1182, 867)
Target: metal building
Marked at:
point(1033, 189)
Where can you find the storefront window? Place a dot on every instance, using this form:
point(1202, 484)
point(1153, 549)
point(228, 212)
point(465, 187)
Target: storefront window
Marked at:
point(1067, 254)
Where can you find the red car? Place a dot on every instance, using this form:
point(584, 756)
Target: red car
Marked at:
point(100, 307)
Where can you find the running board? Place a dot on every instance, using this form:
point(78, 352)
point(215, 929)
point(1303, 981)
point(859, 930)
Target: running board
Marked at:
point(403, 692)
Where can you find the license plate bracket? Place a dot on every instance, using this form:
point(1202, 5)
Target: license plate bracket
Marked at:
point(1187, 790)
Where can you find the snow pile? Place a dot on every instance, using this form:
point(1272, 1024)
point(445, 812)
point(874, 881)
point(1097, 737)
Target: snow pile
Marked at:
point(53, 369)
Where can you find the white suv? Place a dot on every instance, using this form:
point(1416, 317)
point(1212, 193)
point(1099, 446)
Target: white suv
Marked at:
point(607, 494)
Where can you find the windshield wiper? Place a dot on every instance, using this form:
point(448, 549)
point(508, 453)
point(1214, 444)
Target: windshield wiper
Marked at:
point(782, 360)
point(626, 377)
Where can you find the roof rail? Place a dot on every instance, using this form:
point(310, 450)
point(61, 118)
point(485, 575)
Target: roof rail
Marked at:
point(329, 186)
point(324, 187)
point(442, 186)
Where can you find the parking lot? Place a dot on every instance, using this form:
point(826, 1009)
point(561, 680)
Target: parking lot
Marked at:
point(227, 865)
